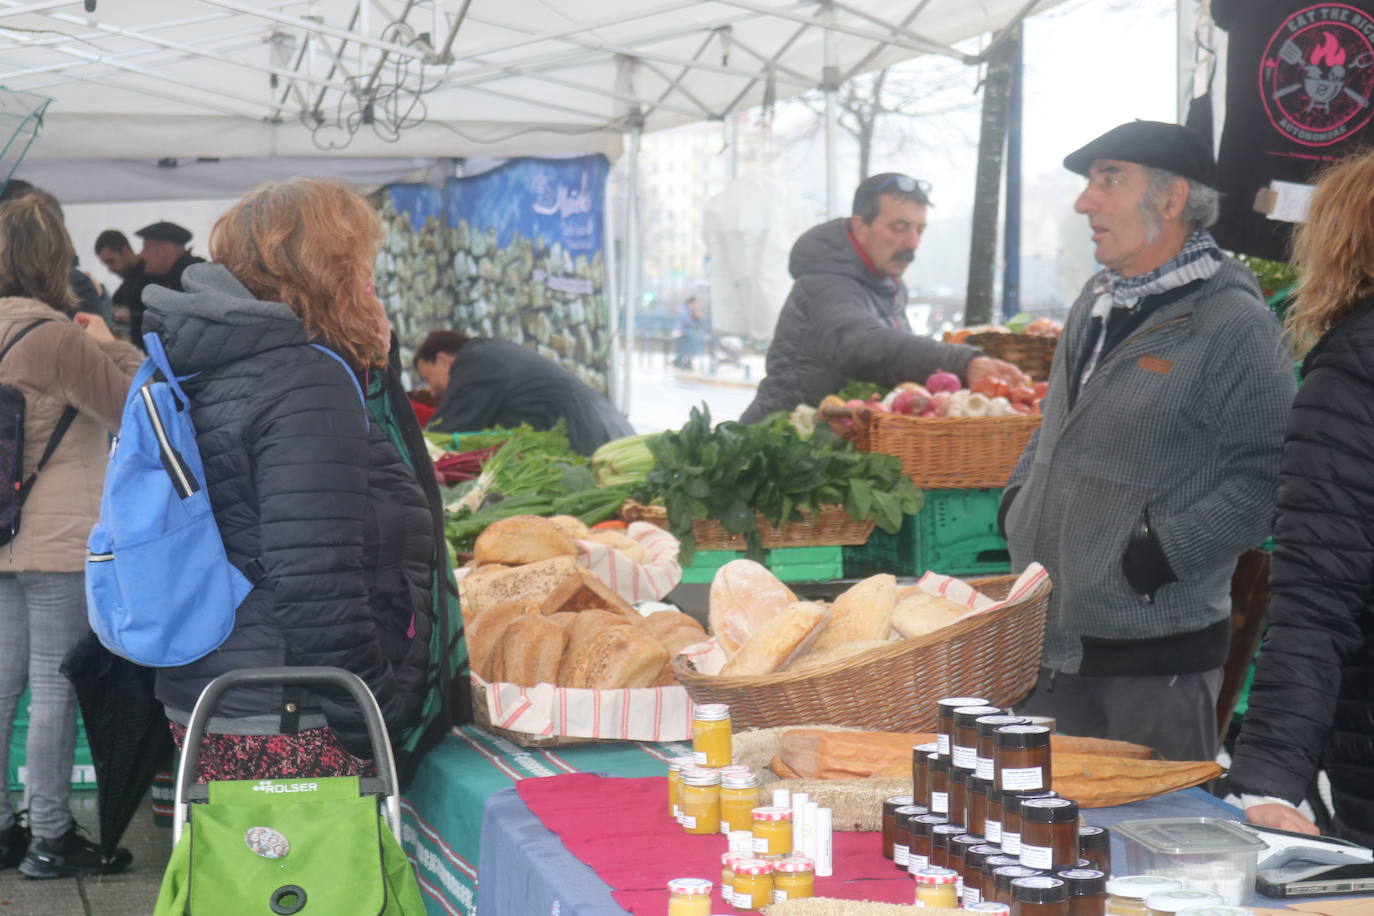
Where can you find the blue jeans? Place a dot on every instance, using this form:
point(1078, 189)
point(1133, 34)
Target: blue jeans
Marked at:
point(42, 616)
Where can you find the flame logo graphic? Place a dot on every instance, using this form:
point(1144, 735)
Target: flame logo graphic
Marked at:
point(1329, 52)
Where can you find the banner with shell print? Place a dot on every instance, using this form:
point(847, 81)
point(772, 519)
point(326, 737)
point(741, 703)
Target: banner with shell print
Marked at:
point(516, 253)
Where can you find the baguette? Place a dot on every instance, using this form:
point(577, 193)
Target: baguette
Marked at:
point(778, 640)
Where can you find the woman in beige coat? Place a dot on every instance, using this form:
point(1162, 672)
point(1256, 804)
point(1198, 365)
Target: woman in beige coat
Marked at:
point(56, 365)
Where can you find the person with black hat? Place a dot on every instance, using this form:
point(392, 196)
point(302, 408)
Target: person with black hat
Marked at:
point(845, 317)
point(165, 258)
point(1156, 462)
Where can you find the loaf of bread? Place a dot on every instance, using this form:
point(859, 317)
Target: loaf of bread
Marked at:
point(922, 613)
point(485, 631)
point(583, 591)
point(861, 614)
point(521, 539)
point(488, 569)
point(531, 651)
point(570, 526)
point(744, 595)
point(534, 581)
point(677, 640)
point(617, 657)
point(778, 640)
point(586, 627)
point(660, 623)
point(625, 544)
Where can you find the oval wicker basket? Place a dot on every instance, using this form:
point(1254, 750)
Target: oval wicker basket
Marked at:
point(1031, 353)
point(942, 453)
point(832, 527)
point(895, 687)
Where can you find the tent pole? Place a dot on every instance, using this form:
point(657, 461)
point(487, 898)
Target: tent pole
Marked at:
point(1185, 21)
point(987, 190)
point(1011, 236)
point(830, 86)
point(610, 268)
point(632, 261)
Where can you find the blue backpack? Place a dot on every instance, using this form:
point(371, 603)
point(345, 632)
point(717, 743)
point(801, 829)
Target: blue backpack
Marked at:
point(160, 590)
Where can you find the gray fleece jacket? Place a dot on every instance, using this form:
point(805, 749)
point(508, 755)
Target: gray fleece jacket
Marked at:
point(843, 321)
point(1180, 426)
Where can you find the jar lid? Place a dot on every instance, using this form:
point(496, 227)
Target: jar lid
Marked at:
point(700, 776)
point(987, 849)
point(936, 876)
point(678, 763)
point(1023, 736)
point(1049, 810)
point(975, 856)
point(977, 786)
point(770, 813)
point(1175, 901)
point(968, 716)
point(968, 840)
point(753, 867)
point(738, 781)
point(988, 725)
point(928, 748)
point(794, 864)
point(1001, 860)
point(949, 831)
point(905, 813)
point(1040, 889)
point(1012, 801)
point(949, 704)
point(736, 768)
point(711, 712)
point(728, 859)
point(937, 764)
point(924, 823)
point(1083, 881)
point(1138, 887)
point(893, 802)
point(1009, 873)
point(689, 886)
point(1216, 911)
point(1086, 831)
point(990, 908)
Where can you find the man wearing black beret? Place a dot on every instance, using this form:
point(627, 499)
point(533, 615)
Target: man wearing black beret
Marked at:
point(1156, 463)
point(165, 258)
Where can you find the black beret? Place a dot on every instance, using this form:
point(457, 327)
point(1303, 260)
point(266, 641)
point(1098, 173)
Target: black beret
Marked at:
point(1171, 147)
point(165, 232)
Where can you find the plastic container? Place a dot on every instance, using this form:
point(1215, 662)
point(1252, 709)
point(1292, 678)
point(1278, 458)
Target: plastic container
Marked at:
point(1126, 895)
point(1206, 854)
point(1169, 903)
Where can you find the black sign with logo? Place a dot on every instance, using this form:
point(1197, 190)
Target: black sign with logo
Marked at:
point(1299, 95)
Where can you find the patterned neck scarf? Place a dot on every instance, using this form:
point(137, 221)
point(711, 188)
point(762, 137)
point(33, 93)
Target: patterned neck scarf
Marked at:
point(1198, 259)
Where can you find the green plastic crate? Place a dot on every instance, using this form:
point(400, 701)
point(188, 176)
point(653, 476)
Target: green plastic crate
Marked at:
point(790, 564)
point(954, 534)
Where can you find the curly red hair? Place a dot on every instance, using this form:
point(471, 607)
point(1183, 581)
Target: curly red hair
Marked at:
point(311, 245)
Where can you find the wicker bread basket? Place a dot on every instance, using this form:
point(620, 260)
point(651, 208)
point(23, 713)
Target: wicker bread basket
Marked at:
point(895, 687)
point(1031, 353)
point(832, 526)
point(943, 453)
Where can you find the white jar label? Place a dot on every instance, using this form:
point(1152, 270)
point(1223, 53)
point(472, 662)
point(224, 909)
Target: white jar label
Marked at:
point(742, 901)
point(915, 863)
point(761, 844)
point(942, 745)
point(779, 896)
point(982, 767)
point(687, 821)
point(725, 828)
point(901, 854)
point(972, 895)
point(699, 758)
point(939, 803)
point(965, 758)
point(1041, 857)
point(992, 832)
point(1011, 843)
point(1026, 779)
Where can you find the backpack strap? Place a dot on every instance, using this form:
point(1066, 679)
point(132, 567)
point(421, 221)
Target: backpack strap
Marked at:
point(20, 336)
point(64, 422)
point(152, 345)
point(352, 376)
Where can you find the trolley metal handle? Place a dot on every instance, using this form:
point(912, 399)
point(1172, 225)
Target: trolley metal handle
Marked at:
point(317, 676)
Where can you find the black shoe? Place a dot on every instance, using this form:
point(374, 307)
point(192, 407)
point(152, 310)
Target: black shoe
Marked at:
point(69, 856)
point(14, 842)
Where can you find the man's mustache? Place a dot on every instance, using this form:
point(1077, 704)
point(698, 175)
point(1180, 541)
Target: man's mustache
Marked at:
point(904, 254)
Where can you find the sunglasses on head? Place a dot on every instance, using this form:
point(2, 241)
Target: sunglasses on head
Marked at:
point(905, 183)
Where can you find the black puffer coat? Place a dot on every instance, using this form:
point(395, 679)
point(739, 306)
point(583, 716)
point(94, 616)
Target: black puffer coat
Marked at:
point(301, 478)
point(1313, 697)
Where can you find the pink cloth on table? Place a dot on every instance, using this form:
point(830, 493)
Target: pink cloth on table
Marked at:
point(621, 829)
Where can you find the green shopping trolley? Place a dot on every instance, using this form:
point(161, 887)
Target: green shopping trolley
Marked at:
point(281, 847)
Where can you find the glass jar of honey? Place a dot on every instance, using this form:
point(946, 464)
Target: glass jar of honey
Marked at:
point(937, 887)
point(739, 796)
point(944, 724)
point(1049, 833)
point(689, 897)
point(753, 888)
point(990, 866)
point(985, 751)
point(1011, 818)
point(1005, 875)
point(901, 844)
point(727, 871)
point(711, 742)
point(958, 809)
point(1087, 891)
point(1021, 761)
point(890, 806)
point(1126, 894)
point(964, 752)
point(940, 836)
point(772, 831)
point(1041, 895)
point(992, 821)
point(939, 784)
point(794, 878)
point(1095, 845)
point(675, 784)
point(920, 772)
point(921, 827)
point(1167, 903)
point(976, 804)
point(700, 804)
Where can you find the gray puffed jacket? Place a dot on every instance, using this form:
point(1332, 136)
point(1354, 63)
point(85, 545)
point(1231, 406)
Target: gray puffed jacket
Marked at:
point(843, 321)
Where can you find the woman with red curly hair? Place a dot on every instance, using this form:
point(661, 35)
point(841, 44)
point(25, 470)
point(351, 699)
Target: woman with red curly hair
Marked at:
point(313, 500)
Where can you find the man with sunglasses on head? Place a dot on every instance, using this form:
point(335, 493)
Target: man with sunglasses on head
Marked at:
point(845, 317)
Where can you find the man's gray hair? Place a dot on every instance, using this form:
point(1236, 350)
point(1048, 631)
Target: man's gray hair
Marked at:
point(1200, 212)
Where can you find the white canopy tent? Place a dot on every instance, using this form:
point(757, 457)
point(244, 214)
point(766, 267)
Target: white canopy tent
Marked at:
point(329, 82)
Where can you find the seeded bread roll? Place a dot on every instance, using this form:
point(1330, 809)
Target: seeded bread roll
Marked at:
point(521, 539)
point(861, 614)
point(782, 638)
point(534, 581)
point(618, 657)
point(586, 627)
point(485, 631)
point(531, 651)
